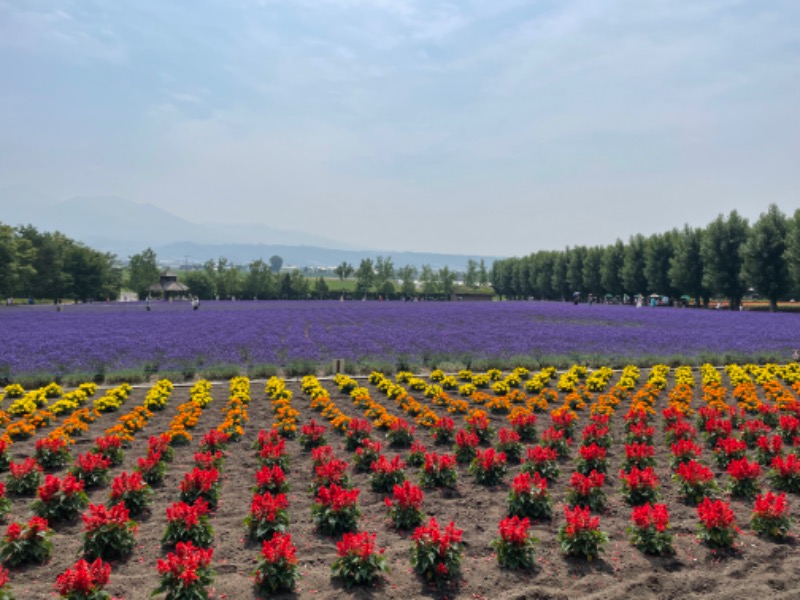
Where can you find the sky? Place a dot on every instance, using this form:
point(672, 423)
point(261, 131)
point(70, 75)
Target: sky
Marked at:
point(495, 127)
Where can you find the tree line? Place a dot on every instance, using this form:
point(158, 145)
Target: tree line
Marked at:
point(725, 259)
point(36, 264)
point(265, 281)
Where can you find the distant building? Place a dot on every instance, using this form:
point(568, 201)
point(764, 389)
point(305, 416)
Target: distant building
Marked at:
point(168, 286)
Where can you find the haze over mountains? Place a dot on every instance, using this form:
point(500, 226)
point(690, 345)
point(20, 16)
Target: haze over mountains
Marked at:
point(125, 227)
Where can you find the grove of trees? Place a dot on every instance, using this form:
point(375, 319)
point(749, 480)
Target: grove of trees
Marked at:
point(726, 259)
point(36, 264)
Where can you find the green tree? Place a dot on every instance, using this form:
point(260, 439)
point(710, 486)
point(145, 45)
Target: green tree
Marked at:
point(575, 258)
point(764, 264)
point(446, 281)
point(559, 281)
point(793, 250)
point(275, 263)
point(543, 275)
point(428, 280)
point(142, 271)
point(8, 261)
point(658, 251)
point(483, 274)
point(299, 285)
point(259, 282)
point(344, 270)
point(384, 273)
point(407, 275)
point(592, 271)
point(201, 284)
point(722, 257)
point(321, 288)
point(686, 265)
point(611, 268)
point(502, 278)
point(633, 266)
point(471, 274)
point(365, 276)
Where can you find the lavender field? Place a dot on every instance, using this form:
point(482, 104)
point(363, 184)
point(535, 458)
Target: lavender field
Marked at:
point(105, 337)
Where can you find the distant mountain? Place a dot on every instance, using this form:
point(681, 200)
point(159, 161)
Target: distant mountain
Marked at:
point(124, 227)
point(305, 256)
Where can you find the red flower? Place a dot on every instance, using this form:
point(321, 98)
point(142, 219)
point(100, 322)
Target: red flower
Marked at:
point(715, 514)
point(584, 484)
point(188, 514)
point(83, 577)
point(771, 506)
point(651, 515)
point(514, 530)
point(693, 473)
point(430, 534)
point(406, 496)
point(358, 544)
point(741, 469)
point(265, 507)
point(100, 516)
point(638, 479)
point(592, 452)
point(525, 482)
point(580, 519)
point(336, 498)
point(279, 548)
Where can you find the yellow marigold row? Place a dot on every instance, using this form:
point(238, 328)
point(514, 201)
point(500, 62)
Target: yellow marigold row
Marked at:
point(629, 377)
point(240, 387)
point(709, 374)
point(540, 380)
point(683, 375)
point(113, 398)
point(598, 380)
point(158, 395)
point(658, 376)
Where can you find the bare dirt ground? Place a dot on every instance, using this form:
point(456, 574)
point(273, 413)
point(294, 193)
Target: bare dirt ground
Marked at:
point(760, 567)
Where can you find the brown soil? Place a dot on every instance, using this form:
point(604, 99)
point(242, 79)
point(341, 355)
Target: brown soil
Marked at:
point(760, 567)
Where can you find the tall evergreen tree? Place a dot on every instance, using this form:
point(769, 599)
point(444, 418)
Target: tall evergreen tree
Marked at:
point(722, 257)
point(764, 265)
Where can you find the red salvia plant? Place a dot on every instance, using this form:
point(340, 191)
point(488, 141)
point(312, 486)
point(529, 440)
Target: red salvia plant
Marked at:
point(785, 473)
point(465, 446)
point(274, 453)
point(84, 581)
point(92, 469)
point(478, 423)
point(581, 534)
point(639, 486)
point(728, 449)
point(744, 478)
point(587, 490)
point(416, 455)
point(596, 434)
point(400, 434)
point(752, 430)
point(108, 533)
point(132, 491)
point(358, 430)
point(767, 448)
point(405, 505)
point(185, 573)
point(510, 444)
point(684, 451)
point(188, 523)
point(152, 468)
point(110, 447)
point(52, 453)
point(770, 516)
point(639, 455)
point(366, 454)
point(436, 554)
point(277, 566)
point(716, 429)
point(489, 466)
point(321, 455)
point(555, 439)
point(529, 497)
point(542, 460)
point(24, 477)
point(591, 458)
point(640, 432)
point(696, 481)
point(717, 524)
point(333, 471)
point(60, 499)
point(209, 460)
point(28, 543)
point(272, 480)
point(161, 444)
point(358, 559)
point(335, 510)
point(386, 473)
point(214, 440)
point(268, 515)
point(650, 529)
point(439, 471)
point(312, 435)
point(442, 430)
point(681, 430)
point(514, 547)
point(200, 483)
point(788, 428)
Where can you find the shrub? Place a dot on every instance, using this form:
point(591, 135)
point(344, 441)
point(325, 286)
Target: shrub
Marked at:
point(25, 544)
point(358, 561)
point(581, 535)
point(515, 545)
point(277, 566)
point(435, 553)
point(108, 533)
point(84, 581)
point(650, 528)
point(405, 506)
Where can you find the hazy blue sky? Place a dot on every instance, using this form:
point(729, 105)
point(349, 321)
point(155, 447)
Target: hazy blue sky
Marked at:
point(483, 126)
